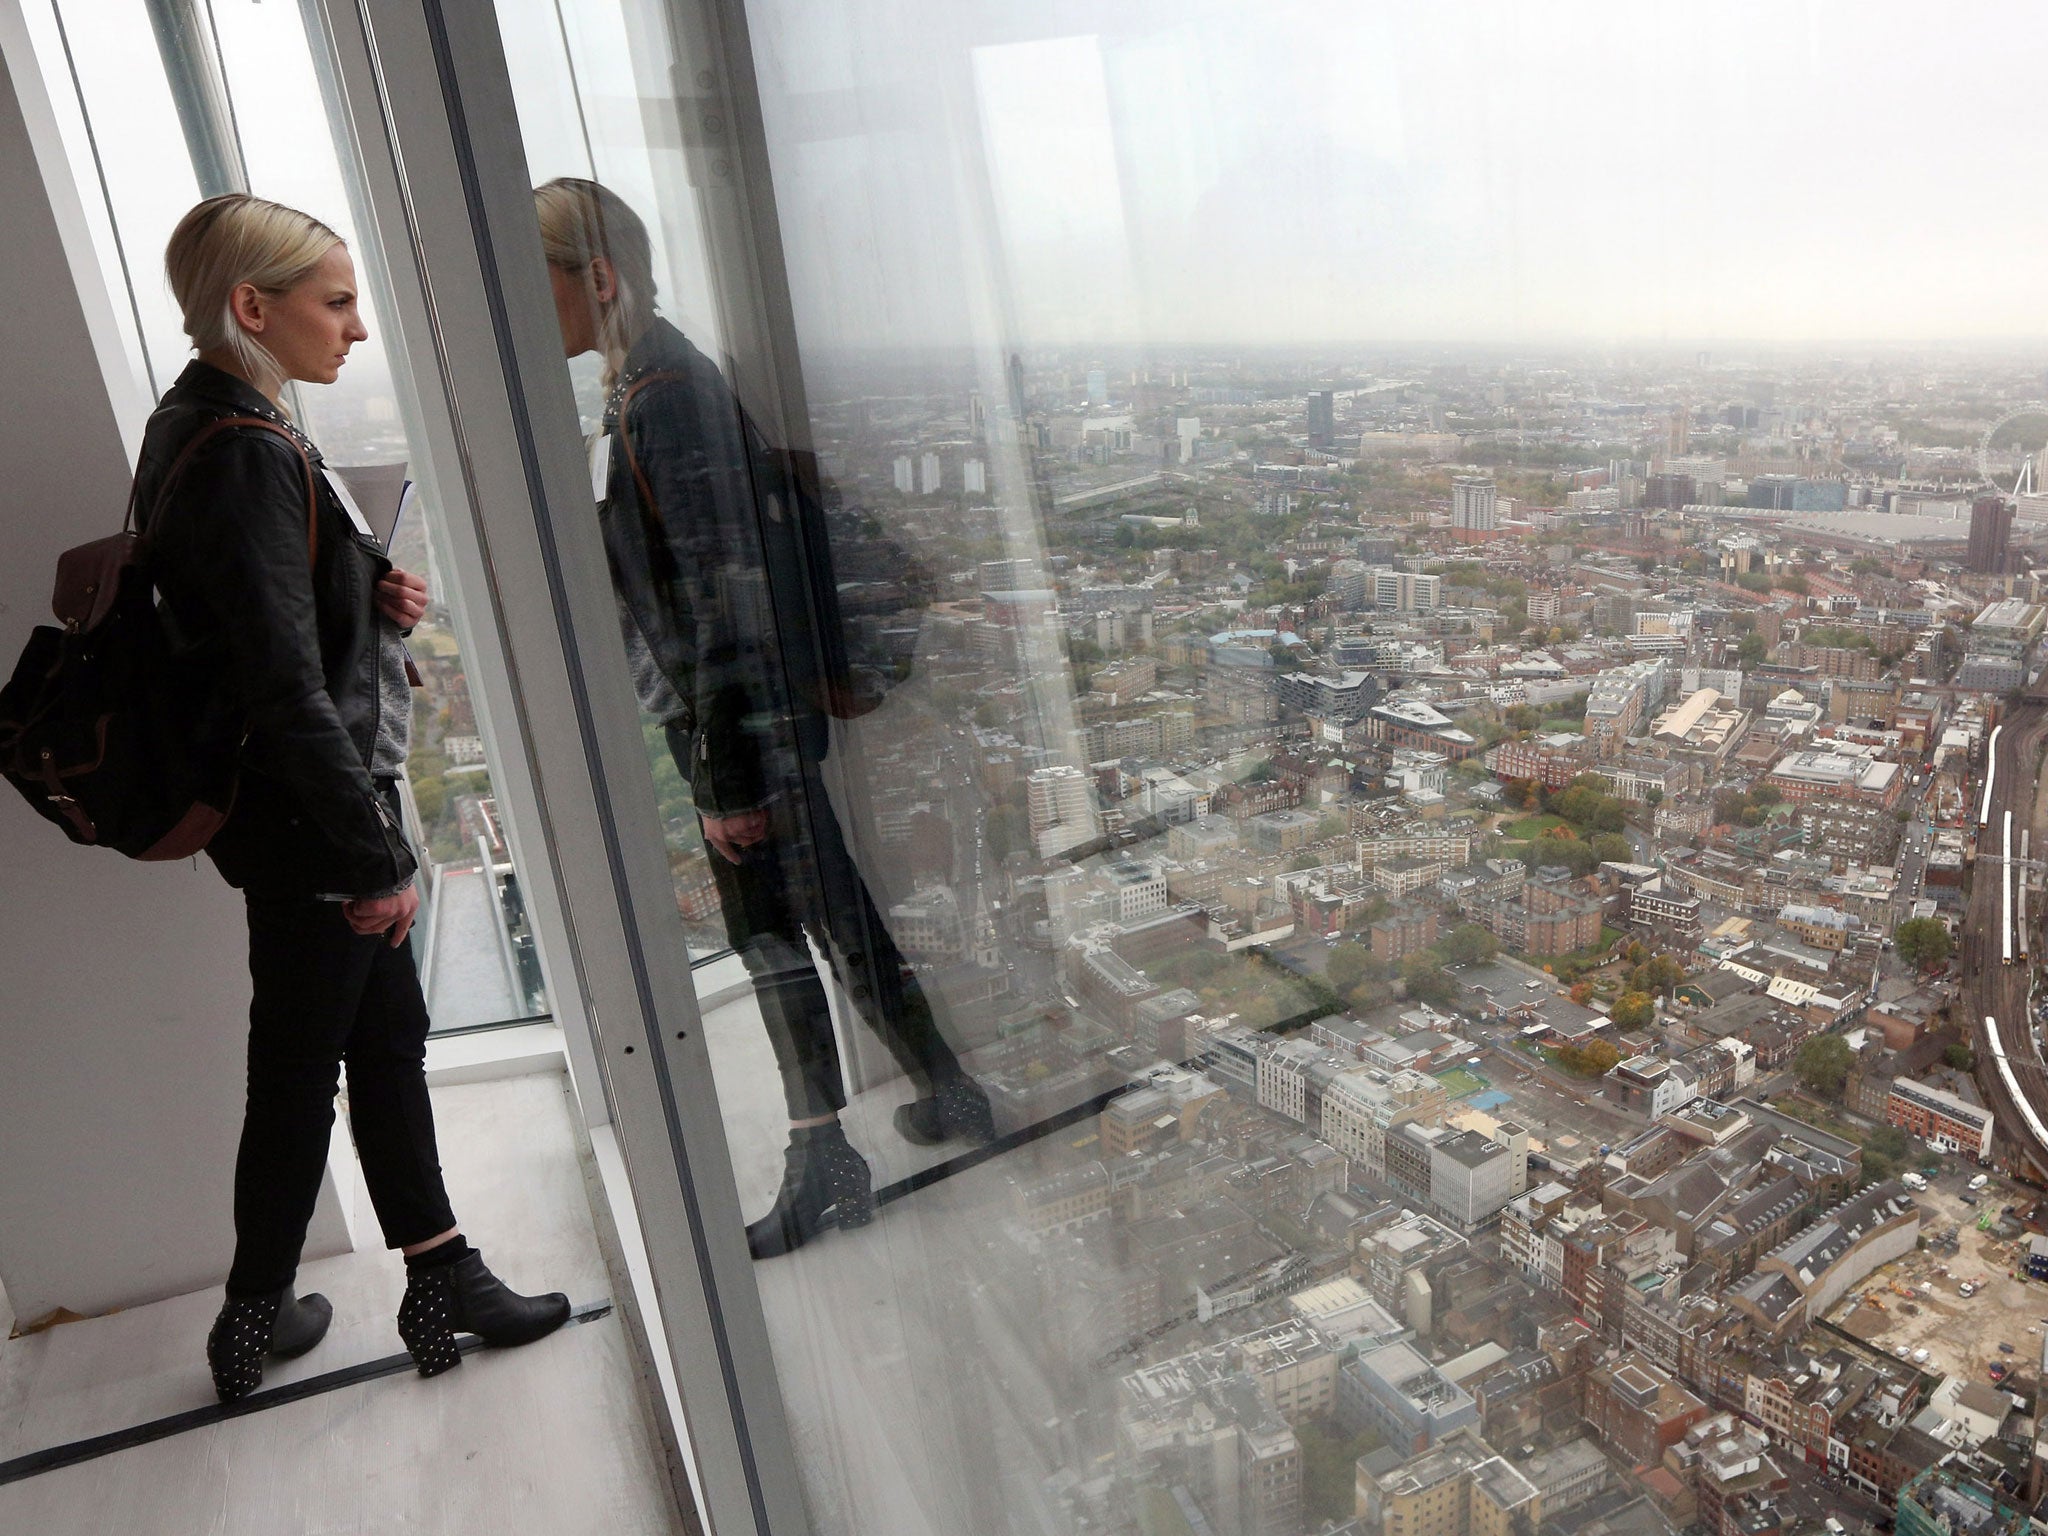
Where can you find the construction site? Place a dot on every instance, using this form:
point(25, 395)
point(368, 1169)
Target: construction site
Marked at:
point(1961, 1304)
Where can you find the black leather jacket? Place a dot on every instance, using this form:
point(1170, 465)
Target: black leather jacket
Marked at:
point(296, 645)
point(722, 562)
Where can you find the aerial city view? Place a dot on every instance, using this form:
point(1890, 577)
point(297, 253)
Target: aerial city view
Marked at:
point(1502, 886)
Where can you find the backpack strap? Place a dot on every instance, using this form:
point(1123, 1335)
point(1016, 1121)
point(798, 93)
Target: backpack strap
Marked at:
point(205, 434)
point(650, 512)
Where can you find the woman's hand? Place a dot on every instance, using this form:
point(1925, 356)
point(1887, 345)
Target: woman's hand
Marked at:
point(382, 914)
point(402, 597)
point(729, 834)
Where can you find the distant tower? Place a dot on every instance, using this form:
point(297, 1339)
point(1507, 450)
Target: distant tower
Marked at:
point(977, 414)
point(1680, 442)
point(1322, 418)
point(1098, 387)
point(1016, 375)
point(986, 947)
point(1473, 503)
point(1990, 535)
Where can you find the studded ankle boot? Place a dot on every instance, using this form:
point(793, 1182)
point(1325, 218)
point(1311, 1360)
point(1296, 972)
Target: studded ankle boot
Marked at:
point(824, 1183)
point(465, 1297)
point(250, 1327)
point(956, 1108)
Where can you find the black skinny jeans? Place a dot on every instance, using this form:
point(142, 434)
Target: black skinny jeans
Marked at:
point(802, 876)
point(325, 996)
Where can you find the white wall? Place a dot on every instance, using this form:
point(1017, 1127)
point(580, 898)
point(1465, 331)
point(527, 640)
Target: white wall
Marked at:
point(123, 987)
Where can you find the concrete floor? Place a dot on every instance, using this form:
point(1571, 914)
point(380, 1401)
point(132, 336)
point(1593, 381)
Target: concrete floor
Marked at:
point(551, 1440)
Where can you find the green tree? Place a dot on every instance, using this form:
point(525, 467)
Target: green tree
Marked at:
point(1595, 1058)
point(1750, 650)
point(431, 796)
point(1885, 1151)
point(1423, 979)
point(1468, 944)
point(1349, 964)
point(1632, 1010)
point(1823, 1064)
point(1613, 848)
point(1959, 1056)
point(1923, 942)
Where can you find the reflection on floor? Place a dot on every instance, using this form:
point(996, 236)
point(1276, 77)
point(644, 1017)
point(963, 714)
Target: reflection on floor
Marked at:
point(549, 1440)
point(918, 1406)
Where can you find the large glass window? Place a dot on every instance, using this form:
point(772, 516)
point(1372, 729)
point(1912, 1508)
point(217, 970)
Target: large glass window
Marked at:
point(1271, 813)
point(244, 101)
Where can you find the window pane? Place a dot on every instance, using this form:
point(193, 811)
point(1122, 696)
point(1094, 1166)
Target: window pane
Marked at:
point(477, 953)
point(1309, 690)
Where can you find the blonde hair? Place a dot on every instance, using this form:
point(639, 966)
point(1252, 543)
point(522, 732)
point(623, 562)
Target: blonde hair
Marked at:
point(234, 239)
point(581, 220)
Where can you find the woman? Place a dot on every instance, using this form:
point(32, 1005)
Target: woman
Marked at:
point(306, 623)
point(719, 568)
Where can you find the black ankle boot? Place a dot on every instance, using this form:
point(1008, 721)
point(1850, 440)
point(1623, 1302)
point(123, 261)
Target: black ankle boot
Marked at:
point(301, 1323)
point(465, 1297)
point(824, 1181)
point(956, 1108)
point(250, 1327)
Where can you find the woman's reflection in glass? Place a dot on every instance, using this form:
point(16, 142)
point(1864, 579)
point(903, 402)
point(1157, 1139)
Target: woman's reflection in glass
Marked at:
point(722, 573)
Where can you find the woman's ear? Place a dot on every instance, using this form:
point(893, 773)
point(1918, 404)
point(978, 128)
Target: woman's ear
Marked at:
point(245, 304)
point(604, 282)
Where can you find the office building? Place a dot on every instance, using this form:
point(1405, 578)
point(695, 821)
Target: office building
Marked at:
point(1322, 419)
point(1990, 534)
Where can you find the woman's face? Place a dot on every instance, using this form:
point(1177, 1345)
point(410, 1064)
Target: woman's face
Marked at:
point(580, 297)
point(308, 328)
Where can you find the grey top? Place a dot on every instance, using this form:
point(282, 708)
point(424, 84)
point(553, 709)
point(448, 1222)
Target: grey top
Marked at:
point(394, 704)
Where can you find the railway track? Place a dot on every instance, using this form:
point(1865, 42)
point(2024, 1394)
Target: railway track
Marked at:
point(1996, 973)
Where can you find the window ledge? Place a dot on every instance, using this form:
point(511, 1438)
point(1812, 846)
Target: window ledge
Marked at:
point(494, 1053)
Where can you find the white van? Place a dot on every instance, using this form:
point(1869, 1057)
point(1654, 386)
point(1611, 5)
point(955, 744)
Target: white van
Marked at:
point(1980, 1181)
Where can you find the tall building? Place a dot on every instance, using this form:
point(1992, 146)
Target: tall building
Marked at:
point(1015, 375)
point(1404, 591)
point(1990, 534)
point(1010, 575)
point(1322, 418)
point(1473, 503)
point(1061, 803)
point(1098, 387)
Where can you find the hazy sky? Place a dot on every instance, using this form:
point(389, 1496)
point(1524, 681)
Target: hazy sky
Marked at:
point(1124, 172)
point(1292, 172)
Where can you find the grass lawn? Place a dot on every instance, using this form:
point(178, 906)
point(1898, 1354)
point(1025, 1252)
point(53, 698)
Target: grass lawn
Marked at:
point(1532, 827)
point(1459, 1083)
point(1576, 727)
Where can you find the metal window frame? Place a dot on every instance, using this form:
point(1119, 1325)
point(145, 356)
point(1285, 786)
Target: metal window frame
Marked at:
point(428, 104)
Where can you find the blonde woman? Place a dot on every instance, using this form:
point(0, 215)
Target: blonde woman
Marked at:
point(262, 562)
point(723, 576)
